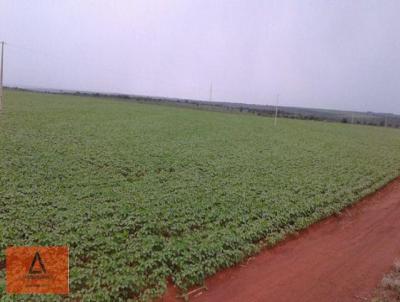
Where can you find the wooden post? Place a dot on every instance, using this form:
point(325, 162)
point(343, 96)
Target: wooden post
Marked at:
point(1, 76)
point(276, 110)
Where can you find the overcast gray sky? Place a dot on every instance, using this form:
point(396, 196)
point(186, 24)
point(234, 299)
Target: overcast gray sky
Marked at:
point(326, 54)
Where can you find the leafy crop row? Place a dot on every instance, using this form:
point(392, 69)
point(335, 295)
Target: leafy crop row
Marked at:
point(144, 193)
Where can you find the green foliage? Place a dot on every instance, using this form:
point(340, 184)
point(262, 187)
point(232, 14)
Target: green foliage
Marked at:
point(141, 193)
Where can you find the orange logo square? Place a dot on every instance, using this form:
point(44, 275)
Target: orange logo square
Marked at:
point(37, 270)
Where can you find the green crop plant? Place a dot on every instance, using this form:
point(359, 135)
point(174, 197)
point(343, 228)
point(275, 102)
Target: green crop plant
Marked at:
point(145, 193)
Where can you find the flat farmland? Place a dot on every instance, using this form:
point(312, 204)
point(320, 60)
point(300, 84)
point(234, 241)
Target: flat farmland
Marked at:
point(143, 194)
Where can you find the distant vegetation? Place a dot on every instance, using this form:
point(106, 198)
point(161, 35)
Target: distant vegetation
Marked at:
point(354, 117)
point(143, 194)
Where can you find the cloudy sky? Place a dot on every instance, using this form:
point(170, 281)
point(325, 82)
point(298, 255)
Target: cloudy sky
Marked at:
point(326, 54)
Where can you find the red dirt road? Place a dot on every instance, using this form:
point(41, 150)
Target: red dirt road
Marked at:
point(339, 259)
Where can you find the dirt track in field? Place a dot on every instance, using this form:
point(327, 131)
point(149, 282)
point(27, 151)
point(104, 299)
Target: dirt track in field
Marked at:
point(339, 259)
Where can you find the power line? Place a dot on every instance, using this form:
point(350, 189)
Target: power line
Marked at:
point(57, 58)
point(31, 50)
point(62, 57)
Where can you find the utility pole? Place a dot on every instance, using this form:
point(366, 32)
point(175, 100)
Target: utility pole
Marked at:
point(211, 93)
point(1, 76)
point(276, 109)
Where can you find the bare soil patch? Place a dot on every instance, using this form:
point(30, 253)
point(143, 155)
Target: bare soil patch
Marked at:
point(342, 258)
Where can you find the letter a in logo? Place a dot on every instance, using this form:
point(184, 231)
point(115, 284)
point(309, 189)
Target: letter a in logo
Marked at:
point(37, 266)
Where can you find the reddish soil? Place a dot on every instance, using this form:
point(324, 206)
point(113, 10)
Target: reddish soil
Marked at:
point(340, 259)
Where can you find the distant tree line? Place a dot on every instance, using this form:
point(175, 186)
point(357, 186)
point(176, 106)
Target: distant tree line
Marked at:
point(368, 118)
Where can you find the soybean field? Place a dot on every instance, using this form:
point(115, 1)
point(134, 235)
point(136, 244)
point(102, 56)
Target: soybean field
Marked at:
point(146, 194)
